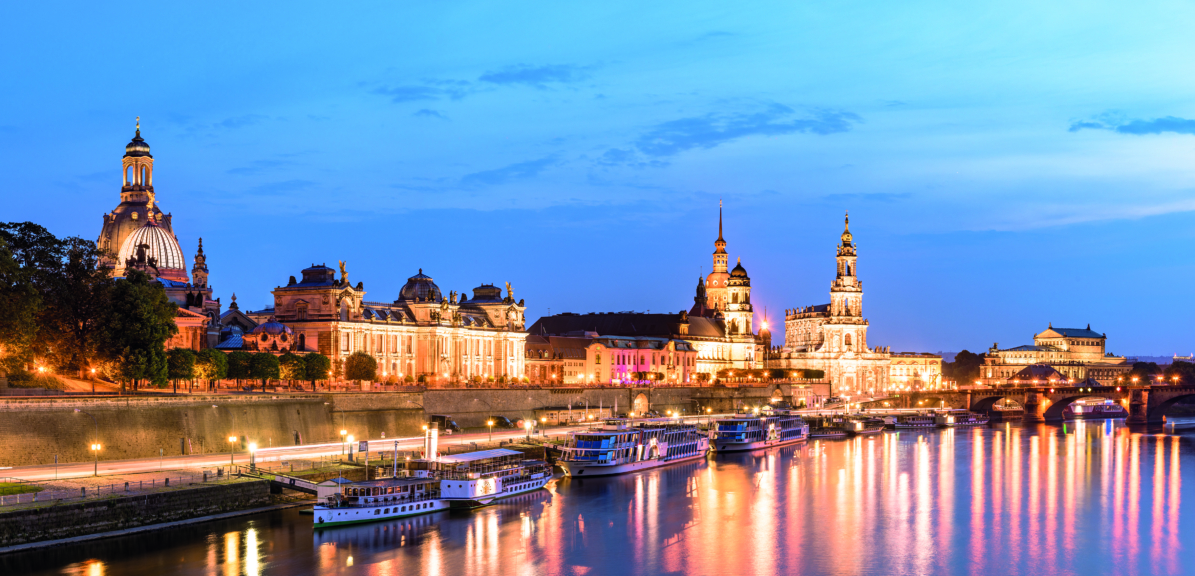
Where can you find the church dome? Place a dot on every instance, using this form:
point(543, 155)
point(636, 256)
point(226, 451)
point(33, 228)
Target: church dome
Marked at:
point(272, 327)
point(161, 245)
point(137, 147)
point(420, 287)
point(739, 271)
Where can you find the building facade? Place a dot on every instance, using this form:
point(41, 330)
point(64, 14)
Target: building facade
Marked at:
point(422, 333)
point(833, 337)
point(585, 357)
point(136, 235)
point(914, 371)
point(1076, 353)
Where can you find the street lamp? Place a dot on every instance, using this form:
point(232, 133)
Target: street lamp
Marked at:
point(350, 438)
point(231, 441)
point(490, 423)
point(95, 447)
point(528, 424)
point(342, 433)
point(253, 456)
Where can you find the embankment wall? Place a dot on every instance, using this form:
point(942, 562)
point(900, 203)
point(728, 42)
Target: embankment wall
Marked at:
point(102, 515)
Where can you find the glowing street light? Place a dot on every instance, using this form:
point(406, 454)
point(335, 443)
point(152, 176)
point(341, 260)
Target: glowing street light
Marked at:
point(490, 423)
point(253, 455)
point(95, 450)
point(231, 443)
point(342, 433)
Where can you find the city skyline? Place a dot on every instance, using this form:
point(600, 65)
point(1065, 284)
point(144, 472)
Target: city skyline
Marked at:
point(977, 223)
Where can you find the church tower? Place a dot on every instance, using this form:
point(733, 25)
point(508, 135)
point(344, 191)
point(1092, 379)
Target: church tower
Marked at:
point(199, 269)
point(717, 281)
point(846, 292)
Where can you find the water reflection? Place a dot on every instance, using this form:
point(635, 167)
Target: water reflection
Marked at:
point(1085, 498)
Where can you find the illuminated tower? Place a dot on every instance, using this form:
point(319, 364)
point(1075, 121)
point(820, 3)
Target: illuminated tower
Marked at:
point(717, 281)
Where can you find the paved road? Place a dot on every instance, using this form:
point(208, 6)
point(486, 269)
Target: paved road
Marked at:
point(266, 455)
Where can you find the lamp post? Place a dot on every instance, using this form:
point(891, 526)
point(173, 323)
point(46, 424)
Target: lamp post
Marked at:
point(528, 424)
point(350, 439)
point(253, 456)
point(95, 446)
point(490, 424)
point(342, 433)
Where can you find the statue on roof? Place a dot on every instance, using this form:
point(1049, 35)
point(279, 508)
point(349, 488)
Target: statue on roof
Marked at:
point(344, 275)
point(509, 293)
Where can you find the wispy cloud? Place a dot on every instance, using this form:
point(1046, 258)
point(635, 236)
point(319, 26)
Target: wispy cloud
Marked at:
point(429, 113)
point(1115, 122)
point(518, 171)
point(536, 76)
point(868, 197)
point(631, 158)
point(258, 166)
point(675, 136)
point(242, 121)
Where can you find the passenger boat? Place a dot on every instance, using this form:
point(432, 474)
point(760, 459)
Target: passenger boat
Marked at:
point(906, 421)
point(827, 427)
point(755, 431)
point(358, 502)
point(475, 479)
point(622, 446)
point(862, 426)
point(959, 418)
point(1094, 409)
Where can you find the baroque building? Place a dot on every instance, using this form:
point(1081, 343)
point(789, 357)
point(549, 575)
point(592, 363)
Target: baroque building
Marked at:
point(1076, 354)
point(833, 337)
point(422, 332)
point(137, 235)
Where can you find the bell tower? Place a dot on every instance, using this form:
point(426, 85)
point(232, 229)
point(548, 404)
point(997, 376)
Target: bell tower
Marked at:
point(846, 293)
point(716, 282)
point(199, 269)
point(138, 165)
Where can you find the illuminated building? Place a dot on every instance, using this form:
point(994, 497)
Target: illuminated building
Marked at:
point(421, 333)
point(1075, 353)
point(833, 337)
point(141, 237)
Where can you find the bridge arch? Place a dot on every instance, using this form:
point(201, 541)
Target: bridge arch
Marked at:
point(1053, 412)
point(1158, 412)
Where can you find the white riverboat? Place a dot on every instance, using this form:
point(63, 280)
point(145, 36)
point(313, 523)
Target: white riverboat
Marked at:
point(621, 446)
point(379, 500)
point(907, 421)
point(476, 479)
point(756, 431)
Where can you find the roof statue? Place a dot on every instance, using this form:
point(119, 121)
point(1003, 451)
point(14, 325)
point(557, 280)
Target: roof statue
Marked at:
point(344, 275)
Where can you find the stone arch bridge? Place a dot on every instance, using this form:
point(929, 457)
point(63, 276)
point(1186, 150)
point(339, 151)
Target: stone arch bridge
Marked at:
point(1145, 404)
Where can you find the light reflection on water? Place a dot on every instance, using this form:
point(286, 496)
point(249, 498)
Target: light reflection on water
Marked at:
point(1087, 498)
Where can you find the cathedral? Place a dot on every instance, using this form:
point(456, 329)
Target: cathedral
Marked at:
point(833, 337)
point(138, 235)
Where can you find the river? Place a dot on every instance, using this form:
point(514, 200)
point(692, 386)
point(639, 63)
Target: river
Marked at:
point(1084, 498)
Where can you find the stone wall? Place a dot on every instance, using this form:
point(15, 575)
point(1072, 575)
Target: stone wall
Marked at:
point(106, 514)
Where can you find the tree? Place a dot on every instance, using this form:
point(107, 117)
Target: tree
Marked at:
point(240, 366)
point(317, 367)
point(292, 367)
point(137, 324)
point(180, 365)
point(1145, 372)
point(211, 365)
point(77, 298)
point(264, 367)
point(964, 369)
point(20, 304)
point(1184, 371)
point(360, 366)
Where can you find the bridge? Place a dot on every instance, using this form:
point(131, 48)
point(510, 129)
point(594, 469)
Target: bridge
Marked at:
point(1145, 404)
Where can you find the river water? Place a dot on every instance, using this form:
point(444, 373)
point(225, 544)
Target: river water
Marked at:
point(1084, 498)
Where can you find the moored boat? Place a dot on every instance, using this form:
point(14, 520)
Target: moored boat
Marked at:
point(621, 446)
point(827, 427)
point(753, 431)
point(908, 421)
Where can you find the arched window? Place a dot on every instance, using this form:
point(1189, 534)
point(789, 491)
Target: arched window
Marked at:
point(302, 341)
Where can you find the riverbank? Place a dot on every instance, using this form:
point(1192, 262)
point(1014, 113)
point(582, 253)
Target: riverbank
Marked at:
point(57, 520)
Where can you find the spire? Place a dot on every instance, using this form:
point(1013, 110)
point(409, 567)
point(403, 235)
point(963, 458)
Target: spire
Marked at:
point(720, 220)
point(138, 126)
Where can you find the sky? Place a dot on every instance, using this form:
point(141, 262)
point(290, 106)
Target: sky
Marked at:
point(1006, 165)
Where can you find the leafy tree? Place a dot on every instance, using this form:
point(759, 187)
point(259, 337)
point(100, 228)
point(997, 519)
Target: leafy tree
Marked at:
point(292, 367)
point(1184, 371)
point(211, 365)
point(360, 366)
point(20, 304)
point(77, 298)
point(317, 367)
point(137, 324)
point(180, 365)
point(964, 369)
point(264, 367)
point(1145, 372)
point(240, 366)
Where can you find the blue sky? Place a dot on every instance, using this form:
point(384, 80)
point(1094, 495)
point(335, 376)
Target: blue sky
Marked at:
point(1005, 164)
